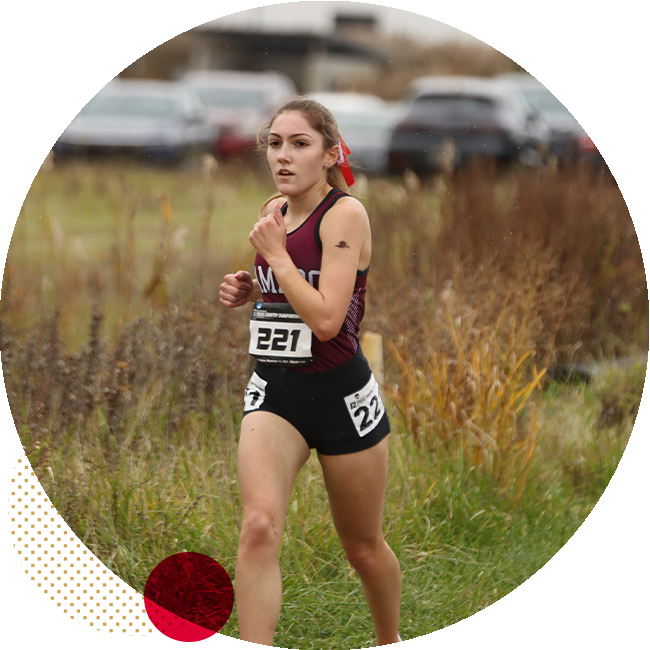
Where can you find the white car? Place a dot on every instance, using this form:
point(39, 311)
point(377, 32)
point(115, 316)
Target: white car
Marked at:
point(366, 124)
point(155, 120)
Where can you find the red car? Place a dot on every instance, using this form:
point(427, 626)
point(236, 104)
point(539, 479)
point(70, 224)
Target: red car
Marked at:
point(238, 104)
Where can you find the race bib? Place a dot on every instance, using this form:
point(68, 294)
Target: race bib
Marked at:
point(365, 407)
point(255, 393)
point(278, 335)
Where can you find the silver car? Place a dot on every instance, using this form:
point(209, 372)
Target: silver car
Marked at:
point(366, 124)
point(154, 120)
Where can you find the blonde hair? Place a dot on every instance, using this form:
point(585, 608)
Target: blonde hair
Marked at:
point(321, 120)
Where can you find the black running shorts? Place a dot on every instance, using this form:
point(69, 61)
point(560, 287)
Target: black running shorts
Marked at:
point(338, 411)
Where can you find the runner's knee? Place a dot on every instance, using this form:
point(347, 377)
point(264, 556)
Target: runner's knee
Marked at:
point(259, 531)
point(364, 556)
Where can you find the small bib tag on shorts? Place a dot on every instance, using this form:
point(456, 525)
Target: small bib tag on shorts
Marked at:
point(278, 335)
point(365, 407)
point(255, 393)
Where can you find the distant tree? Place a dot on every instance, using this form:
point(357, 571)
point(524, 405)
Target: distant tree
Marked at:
point(71, 30)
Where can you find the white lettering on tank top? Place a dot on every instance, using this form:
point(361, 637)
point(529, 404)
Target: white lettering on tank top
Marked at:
point(312, 275)
point(267, 282)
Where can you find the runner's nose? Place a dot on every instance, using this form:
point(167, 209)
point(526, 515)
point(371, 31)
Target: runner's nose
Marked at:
point(283, 154)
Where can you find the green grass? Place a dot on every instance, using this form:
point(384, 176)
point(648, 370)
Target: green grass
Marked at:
point(90, 201)
point(88, 231)
point(461, 542)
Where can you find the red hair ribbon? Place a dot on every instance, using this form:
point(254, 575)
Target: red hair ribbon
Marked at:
point(344, 152)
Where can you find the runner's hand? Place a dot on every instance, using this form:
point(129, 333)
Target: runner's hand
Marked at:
point(269, 236)
point(236, 289)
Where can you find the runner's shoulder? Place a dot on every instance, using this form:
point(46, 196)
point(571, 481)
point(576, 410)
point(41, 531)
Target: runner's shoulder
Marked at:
point(350, 209)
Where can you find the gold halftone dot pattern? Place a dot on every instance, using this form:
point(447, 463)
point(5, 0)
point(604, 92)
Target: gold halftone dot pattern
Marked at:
point(56, 562)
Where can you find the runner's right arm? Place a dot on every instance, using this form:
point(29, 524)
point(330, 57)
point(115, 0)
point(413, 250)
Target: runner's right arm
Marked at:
point(239, 288)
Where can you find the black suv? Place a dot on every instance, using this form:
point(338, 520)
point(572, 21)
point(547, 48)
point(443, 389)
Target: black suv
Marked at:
point(452, 119)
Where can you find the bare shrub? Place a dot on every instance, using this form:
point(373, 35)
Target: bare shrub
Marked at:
point(572, 226)
point(482, 280)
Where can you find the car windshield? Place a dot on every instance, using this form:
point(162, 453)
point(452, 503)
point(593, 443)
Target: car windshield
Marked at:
point(64, 86)
point(445, 107)
point(544, 100)
point(352, 122)
point(156, 107)
point(625, 118)
point(236, 98)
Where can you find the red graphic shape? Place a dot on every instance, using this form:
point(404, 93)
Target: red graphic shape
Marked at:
point(159, 625)
point(189, 596)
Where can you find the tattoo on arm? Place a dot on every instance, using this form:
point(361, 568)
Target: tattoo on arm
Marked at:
point(342, 244)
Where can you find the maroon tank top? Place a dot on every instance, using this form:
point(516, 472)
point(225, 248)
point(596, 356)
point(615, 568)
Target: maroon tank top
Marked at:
point(306, 251)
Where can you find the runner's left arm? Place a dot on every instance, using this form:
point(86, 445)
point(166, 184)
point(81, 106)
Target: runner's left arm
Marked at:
point(345, 236)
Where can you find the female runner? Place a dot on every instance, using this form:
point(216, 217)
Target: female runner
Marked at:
point(313, 252)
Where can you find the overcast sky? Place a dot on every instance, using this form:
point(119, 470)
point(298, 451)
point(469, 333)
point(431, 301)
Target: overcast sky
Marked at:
point(487, 22)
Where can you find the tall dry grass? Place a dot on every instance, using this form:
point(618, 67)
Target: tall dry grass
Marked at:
point(554, 250)
point(484, 280)
point(134, 239)
point(125, 375)
point(479, 281)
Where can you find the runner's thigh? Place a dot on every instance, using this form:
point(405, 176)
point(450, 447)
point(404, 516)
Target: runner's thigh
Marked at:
point(356, 485)
point(270, 454)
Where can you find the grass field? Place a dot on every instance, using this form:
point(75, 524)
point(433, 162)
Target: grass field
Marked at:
point(125, 376)
point(105, 230)
point(462, 544)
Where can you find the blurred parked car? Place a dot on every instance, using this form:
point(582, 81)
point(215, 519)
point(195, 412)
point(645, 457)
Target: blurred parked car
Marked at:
point(569, 104)
point(239, 103)
point(618, 143)
point(366, 124)
point(452, 119)
point(44, 92)
point(158, 120)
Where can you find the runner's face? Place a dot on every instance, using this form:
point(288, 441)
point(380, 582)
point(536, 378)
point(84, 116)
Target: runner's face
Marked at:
point(296, 155)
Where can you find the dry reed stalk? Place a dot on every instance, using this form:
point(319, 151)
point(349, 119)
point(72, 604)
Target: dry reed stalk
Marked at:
point(156, 289)
point(127, 278)
point(209, 170)
point(474, 402)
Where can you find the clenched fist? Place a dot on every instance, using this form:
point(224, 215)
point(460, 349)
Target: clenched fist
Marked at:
point(236, 289)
